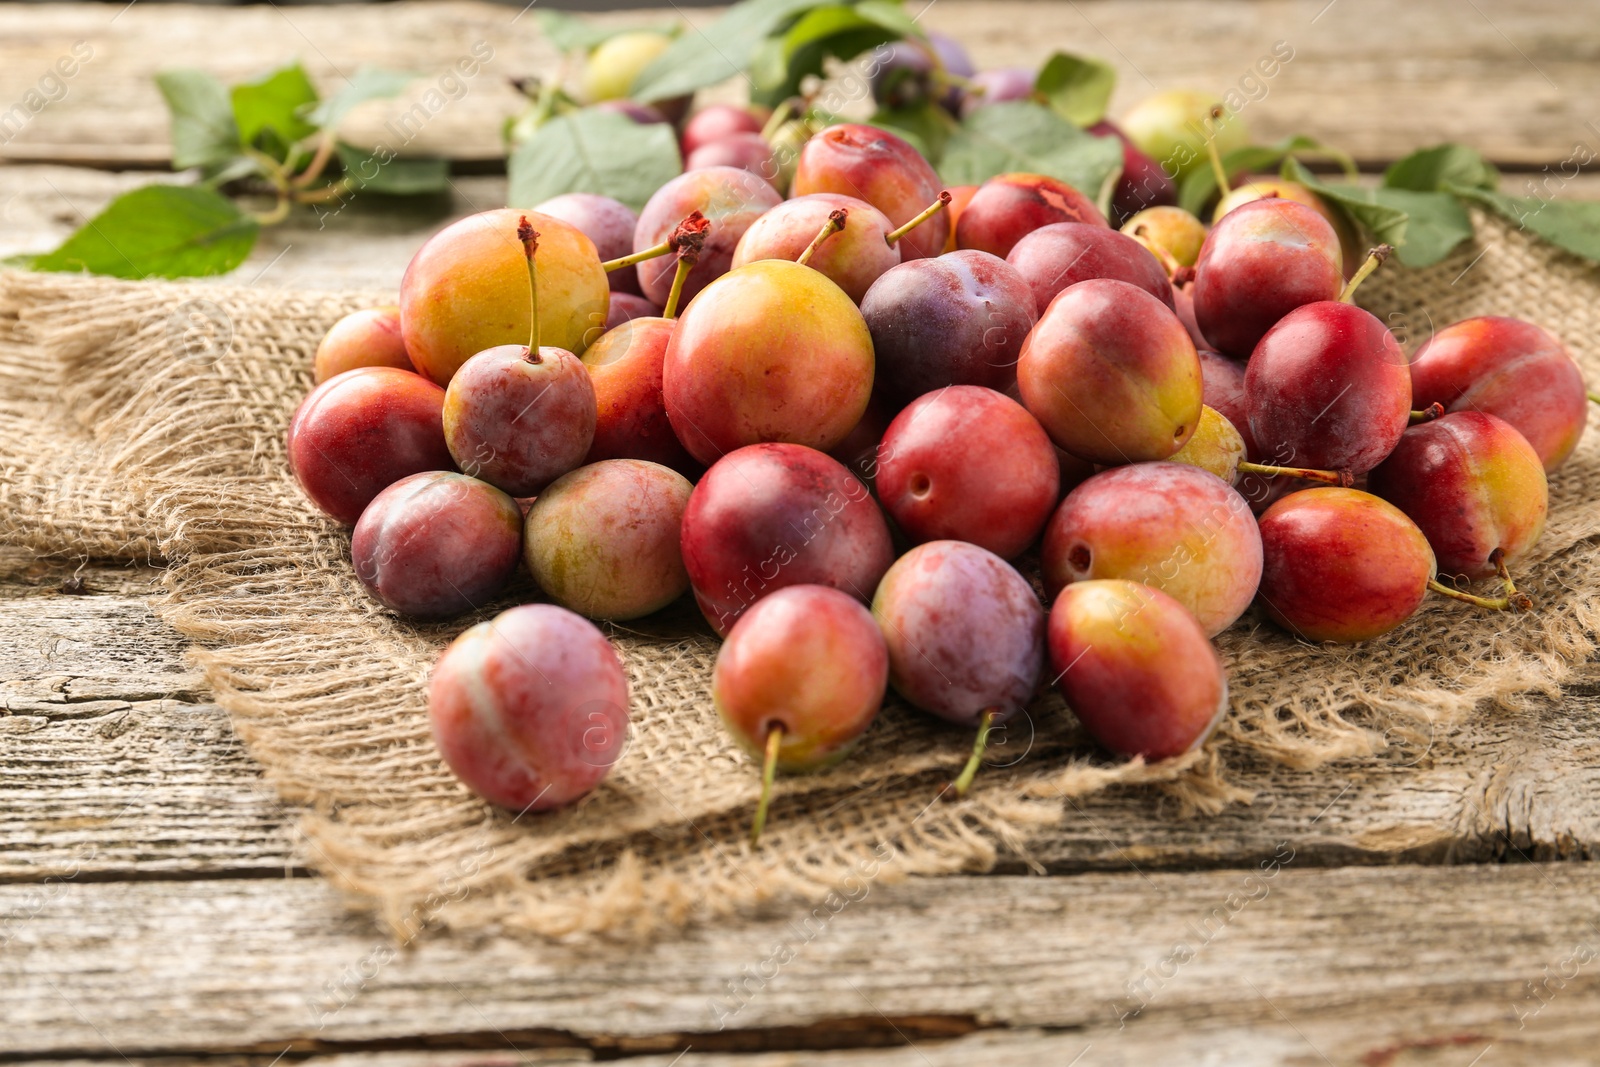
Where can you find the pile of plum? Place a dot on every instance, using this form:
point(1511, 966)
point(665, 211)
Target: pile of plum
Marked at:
point(878, 395)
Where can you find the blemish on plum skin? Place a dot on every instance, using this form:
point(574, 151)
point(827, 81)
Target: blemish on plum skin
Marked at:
point(1052, 198)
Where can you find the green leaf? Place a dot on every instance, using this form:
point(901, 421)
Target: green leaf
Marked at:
point(1570, 224)
point(275, 103)
point(1441, 168)
point(843, 31)
point(1456, 169)
point(571, 34)
point(1021, 136)
point(721, 51)
point(163, 231)
point(1077, 87)
point(776, 71)
point(829, 20)
point(926, 127)
point(820, 23)
point(592, 151)
point(1200, 185)
point(380, 171)
point(203, 131)
point(891, 16)
point(770, 70)
point(368, 83)
point(1436, 223)
point(233, 170)
point(1360, 206)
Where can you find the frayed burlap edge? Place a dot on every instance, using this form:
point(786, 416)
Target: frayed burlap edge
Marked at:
point(327, 691)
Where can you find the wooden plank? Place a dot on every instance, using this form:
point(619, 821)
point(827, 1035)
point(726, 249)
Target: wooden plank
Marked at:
point(117, 766)
point(1561, 1037)
point(112, 102)
point(112, 788)
point(365, 246)
point(514, 1058)
point(1378, 79)
point(1343, 965)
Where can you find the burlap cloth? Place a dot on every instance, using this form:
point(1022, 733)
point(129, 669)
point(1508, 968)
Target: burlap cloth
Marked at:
point(147, 419)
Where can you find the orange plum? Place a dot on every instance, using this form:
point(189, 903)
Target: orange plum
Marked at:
point(1168, 525)
point(366, 338)
point(603, 540)
point(467, 290)
point(771, 351)
point(625, 367)
point(1111, 374)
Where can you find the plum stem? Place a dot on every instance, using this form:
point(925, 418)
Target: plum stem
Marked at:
point(278, 175)
point(319, 161)
point(336, 190)
point(1373, 260)
point(769, 770)
point(835, 223)
point(1217, 169)
point(1514, 599)
point(979, 743)
point(1344, 479)
point(653, 252)
point(678, 277)
point(1522, 601)
point(687, 240)
point(922, 216)
point(1595, 397)
point(1427, 414)
point(279, 212)
point(530, 245)
point(1512, 602)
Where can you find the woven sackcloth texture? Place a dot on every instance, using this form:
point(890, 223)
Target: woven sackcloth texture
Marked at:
point(58, 497)
point(327, 689)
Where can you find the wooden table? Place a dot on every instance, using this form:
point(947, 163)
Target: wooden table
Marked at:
point(156, 904)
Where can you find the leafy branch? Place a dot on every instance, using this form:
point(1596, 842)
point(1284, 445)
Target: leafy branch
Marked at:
point(275, 136)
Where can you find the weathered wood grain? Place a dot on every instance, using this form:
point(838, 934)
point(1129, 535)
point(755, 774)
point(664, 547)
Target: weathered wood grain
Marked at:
point(114, 764)
point(1516, 80)
point(1289, 968)
point(117, 766)
point(1561, 1036)
point(365, 246)
point(113, 788)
